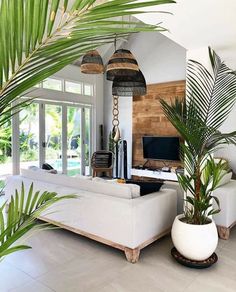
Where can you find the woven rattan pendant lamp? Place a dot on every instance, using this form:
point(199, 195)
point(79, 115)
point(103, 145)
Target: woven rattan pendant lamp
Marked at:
point(92, 63)
point(122, 63)
point(129, 85)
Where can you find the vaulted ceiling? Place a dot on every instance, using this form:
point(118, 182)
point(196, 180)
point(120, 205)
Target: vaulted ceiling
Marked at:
point(200, 23)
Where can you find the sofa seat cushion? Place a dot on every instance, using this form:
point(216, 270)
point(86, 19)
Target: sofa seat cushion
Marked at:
point(116, 190)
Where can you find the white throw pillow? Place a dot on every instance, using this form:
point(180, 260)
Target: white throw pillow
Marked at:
point(98, 179)
point(135, 189)
point(86, 177)
point(36, 168)
point(116, 190)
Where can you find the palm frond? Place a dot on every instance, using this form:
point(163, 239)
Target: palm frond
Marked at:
point(40, 37)
point(209, 100)
point(213, 95)
point(22, 216)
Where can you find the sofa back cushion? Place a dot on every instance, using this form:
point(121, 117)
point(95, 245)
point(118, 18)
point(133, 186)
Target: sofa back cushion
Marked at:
point(226, 178)
point(116, 190)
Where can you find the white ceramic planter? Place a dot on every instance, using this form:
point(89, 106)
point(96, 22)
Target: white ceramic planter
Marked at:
point(194, 242)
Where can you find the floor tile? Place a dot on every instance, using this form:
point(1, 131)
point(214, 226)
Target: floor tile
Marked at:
point(215, 283)
point(32, 286)
point(84, 273)
point(61, 261)
point(49, 251)
point(11, 277)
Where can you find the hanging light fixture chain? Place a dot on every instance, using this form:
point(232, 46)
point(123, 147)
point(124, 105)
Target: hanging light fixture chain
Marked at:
point(115, 111)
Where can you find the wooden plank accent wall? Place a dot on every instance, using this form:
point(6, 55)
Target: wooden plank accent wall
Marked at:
point(149, 119)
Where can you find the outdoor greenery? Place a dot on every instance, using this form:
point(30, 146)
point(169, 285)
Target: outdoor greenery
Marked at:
point(40, 37)
point(5, 142)
point(210, 98)
point(23, 211)
point(29, 135)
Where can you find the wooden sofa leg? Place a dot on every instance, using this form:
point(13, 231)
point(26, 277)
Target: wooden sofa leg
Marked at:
point(132, 255)
point(223, 232)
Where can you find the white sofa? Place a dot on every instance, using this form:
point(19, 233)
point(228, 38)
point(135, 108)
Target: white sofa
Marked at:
point(226, 219)
point(111, 213)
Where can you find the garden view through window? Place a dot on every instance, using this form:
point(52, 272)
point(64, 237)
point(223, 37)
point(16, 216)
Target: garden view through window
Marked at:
point(51, 147)
point(38, 133)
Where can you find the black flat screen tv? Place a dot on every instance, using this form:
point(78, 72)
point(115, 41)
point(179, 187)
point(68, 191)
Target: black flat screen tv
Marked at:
point(161, 148)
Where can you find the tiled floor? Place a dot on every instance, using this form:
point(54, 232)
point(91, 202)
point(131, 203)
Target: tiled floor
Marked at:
point(65, 262)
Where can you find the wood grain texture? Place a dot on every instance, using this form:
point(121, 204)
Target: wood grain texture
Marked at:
point(132, 254)
point(223, 232)
point(149, 119)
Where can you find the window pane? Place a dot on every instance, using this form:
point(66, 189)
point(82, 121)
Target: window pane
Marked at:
point(54, 84)
point(5, 152)
point(73, 87)
point(88, 89)
point(87, 141)
point(53, 136)
point(29, 136)
point(73, 140)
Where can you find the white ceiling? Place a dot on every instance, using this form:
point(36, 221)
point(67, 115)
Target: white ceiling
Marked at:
point(200, 23)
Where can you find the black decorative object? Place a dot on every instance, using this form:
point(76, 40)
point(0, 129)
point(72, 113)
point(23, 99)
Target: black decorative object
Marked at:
point(92, 63)
point(129, 85)
point(194, 264)
point(122, 63)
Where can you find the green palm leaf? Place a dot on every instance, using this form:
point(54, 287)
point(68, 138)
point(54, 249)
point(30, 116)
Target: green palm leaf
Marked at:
point(22, 217)
point(40, 37)
point(209, 100)
point(213, 95)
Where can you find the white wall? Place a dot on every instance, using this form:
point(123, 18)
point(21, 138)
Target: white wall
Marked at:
point(229, 151)
point(161, 60)
point(195, 24)
point(201, 55)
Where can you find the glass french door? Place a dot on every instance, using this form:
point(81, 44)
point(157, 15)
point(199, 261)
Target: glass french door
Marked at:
point(58, 134)
point(29, 136)
point(87, 140)
point(74, 140)
point(53, 136)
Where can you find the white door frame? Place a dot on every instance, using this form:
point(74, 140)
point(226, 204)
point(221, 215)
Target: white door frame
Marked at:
point(64, 105)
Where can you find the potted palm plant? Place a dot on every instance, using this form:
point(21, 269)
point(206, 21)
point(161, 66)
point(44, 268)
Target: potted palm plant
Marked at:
point(209, 100)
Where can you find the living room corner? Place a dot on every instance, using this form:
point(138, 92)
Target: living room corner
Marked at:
point(117, 146)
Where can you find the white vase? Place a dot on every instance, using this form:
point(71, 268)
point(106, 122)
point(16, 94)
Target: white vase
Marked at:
point(194, 242)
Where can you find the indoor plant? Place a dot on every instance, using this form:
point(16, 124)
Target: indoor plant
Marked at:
point(210, 98)
point(21, 217)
